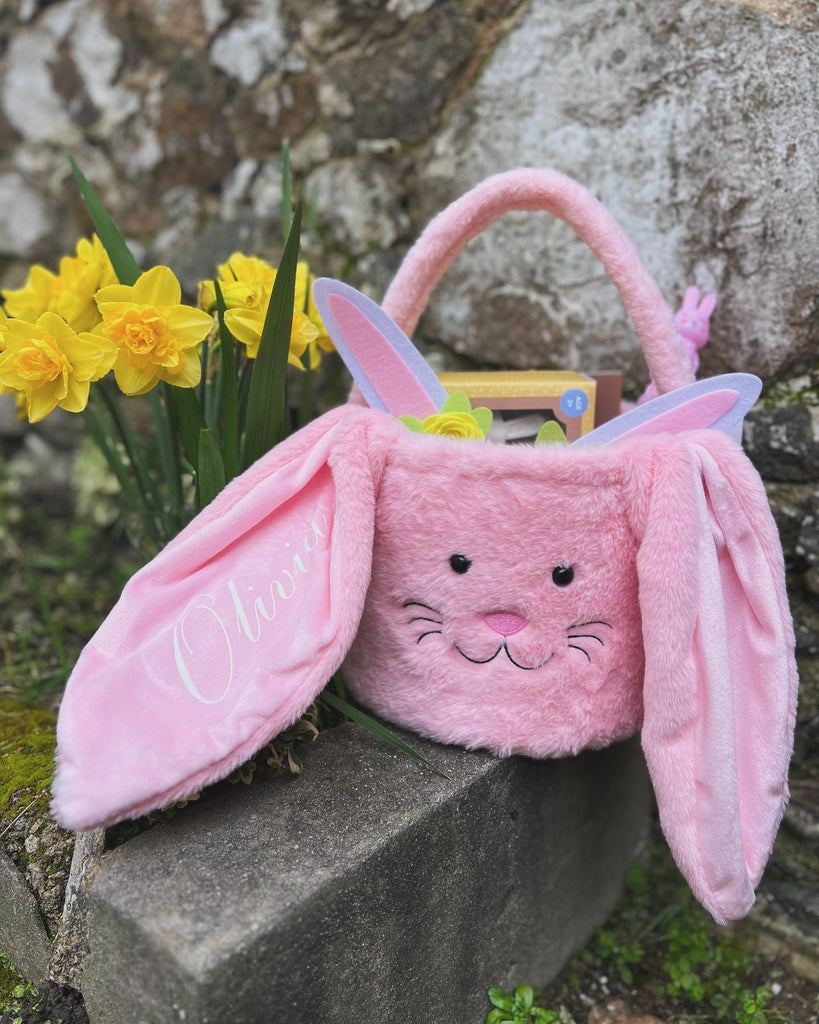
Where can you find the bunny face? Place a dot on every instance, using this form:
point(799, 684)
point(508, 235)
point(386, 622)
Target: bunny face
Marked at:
point(502, 609)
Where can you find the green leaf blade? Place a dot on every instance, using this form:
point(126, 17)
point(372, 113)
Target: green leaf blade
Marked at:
point(211, 476)
point(229, 382)
point(376, 729)
point(189, 420)
point(267, 409)
point(125, 266)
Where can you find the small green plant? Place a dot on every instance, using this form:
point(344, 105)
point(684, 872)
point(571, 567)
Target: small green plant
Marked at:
point(14, 992)
point(661, 947)
point(518, 1008)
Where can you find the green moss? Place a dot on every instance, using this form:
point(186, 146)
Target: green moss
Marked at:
point(27, 741)
point(12, 987)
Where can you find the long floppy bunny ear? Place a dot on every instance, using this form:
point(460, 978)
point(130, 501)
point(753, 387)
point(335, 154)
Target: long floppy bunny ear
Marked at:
point(720, 675)
point(228, 634)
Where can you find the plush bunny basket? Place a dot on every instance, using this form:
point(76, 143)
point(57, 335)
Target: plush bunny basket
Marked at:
point(525, 600)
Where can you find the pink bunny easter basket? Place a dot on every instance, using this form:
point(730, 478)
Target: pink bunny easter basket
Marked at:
point(531, 600)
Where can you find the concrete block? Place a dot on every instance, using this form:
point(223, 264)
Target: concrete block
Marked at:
point(366, 890)
point(23, 936)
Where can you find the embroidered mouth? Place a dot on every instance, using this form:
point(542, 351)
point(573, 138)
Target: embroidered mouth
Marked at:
point(503, 646)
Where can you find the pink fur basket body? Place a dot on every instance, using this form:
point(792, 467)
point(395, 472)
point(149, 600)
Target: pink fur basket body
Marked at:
point(528, 601)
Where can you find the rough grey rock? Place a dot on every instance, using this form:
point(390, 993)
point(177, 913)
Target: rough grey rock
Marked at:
point(71, 942)
point(693, 122)
point(367, 889)
point(23, 937)
point(357, 200)
point(783, 443)
point(790, 504)
point(808, 541)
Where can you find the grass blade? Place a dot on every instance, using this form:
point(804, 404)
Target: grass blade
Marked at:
point(211, 477)
point(267, 409)
point(125, 266)
point(377, 729)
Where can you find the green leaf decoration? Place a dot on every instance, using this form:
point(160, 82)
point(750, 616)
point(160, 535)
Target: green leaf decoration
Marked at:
point(550, 433)
point(267, 409)
point(483, 417)
point(376, 728)
point(211, 476)
point(458, 401)
point(411, 423)
point(125, 266)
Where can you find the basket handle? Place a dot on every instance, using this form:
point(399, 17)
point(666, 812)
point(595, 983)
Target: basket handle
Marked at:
point(544, 189)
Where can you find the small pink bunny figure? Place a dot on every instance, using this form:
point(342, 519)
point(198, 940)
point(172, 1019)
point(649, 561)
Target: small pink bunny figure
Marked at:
point(693, 321)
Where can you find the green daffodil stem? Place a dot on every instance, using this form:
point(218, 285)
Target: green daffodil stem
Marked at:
point(228, 385)
point(166, 433)
point(102, 437)
point(147, 488)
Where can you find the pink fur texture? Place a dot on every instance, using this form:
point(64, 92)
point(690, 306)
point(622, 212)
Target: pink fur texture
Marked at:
point(532, 601)
point(526, 600)
point(673, 617)
point(542, 188)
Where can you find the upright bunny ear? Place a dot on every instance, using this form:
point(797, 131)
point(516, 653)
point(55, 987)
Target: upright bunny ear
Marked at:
point(691, 298)
point(708, 305)
point(720, 676)
point(228, 634)
point(390, 371)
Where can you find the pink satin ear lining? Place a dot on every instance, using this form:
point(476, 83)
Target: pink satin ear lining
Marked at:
point(549, 190)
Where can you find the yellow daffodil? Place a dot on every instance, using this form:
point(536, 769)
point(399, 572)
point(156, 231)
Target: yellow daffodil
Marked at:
point(457, 419)
point(69, 293)
point(4, 322)
point(155, 336)
point(49, 364)
point(247, 283)
point(246, 326)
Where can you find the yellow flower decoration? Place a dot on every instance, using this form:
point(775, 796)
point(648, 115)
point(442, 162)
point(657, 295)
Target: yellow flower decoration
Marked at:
point(49, 364)
point(69, 293)
point(457, 419)
point(155, 337)
point(247, 283)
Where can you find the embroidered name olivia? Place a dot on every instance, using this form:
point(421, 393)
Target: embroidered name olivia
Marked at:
point(213, 632)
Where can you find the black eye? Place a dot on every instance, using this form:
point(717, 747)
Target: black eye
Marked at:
point(460, 563)
point(563, 575)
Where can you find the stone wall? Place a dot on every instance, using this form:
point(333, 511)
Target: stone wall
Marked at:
point(693, 121)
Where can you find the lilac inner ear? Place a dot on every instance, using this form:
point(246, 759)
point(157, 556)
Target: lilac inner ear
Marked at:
point(390, 371)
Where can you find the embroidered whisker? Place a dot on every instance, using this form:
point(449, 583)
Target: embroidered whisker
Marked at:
point(430, 632)
point(424, 618)
point(429, 608)
point(581, 650)
point(588, 636)
point(591, 622)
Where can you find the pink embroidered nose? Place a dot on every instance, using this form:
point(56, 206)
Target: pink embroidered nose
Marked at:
point(505, 623)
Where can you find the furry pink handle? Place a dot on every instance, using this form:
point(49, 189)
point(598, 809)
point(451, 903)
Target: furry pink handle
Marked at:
point(544, 189)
